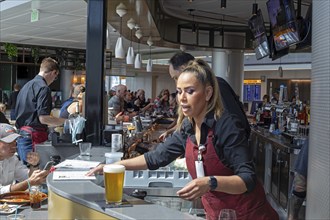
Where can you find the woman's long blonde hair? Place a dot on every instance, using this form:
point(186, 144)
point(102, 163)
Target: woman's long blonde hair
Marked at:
point(204, 74)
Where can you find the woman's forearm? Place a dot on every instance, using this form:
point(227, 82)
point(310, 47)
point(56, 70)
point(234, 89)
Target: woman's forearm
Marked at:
point(137, 163)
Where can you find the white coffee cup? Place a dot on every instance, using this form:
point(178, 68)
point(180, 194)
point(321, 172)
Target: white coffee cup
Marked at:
point(113, 157)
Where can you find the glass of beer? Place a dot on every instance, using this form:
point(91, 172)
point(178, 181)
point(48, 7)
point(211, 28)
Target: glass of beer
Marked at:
point(113, 182)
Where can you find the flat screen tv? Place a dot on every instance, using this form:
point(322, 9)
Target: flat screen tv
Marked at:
point(256, 24)
point(261, 47)
point(275, 54)
point(260, 43)
point(283, 23)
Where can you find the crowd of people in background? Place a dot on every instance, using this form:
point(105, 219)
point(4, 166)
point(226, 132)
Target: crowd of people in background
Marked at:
point(125, 102)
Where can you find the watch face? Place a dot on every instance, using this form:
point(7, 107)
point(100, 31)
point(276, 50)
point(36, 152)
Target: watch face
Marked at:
point(213, 183)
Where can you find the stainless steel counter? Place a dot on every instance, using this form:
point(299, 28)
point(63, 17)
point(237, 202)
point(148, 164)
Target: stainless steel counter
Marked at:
point(85, 194)
point(277, 140)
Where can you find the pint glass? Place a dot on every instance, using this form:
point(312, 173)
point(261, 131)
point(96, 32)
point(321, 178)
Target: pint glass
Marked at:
point(113, 182)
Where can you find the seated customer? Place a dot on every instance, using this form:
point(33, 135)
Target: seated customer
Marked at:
point(162, 101)
point(3, 118)
point(117, 101)
point(140, 101)
point(79, 102)
point(72, 101)
point(15, 176)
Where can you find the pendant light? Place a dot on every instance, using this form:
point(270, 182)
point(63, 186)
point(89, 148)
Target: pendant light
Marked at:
point(149, 64)
point(223, 3)
point(193, 26)
point(138, 60)
point(130, 52)
point(121, 10)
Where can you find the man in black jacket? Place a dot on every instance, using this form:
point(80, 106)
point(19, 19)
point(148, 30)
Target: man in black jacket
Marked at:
point(33, 108)
point(229, 98)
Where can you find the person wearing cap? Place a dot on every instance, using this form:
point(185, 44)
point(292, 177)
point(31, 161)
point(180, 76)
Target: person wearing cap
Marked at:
point(112, 92)
point(3, 118)
point(33, 108)
point(14, 175)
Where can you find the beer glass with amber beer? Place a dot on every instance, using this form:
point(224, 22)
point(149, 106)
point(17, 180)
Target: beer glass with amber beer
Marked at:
point(113, 182)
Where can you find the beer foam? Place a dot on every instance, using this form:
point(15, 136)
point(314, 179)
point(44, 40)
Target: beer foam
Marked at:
point(113, 168)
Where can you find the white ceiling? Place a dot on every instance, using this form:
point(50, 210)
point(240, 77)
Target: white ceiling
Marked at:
point(62, 23)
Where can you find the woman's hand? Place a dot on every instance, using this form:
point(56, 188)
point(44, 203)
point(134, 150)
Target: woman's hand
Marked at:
point(163, 136)
point(32, 158)
point(194, 189)
point(96, 170)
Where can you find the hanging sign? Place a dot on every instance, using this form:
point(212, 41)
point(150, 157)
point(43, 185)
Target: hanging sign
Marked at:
point(34, 15)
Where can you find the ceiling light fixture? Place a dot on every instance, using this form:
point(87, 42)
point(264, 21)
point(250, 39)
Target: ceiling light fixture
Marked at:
point(193, 26)
point(280, 69)
point(254, 7)
point(121, 10)
point(108, 44)
point(138, 60)
point(149, 64)
point(223, 3)
point(130, 51)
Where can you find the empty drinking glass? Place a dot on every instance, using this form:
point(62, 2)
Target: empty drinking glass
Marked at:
point(116, 142)
point(85, 148)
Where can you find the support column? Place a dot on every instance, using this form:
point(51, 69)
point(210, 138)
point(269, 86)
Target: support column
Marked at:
point(230, 66)
point(318, 192)
point(96, 33)
point(66, 83)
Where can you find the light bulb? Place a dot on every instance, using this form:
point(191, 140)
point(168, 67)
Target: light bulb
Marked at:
point(138, 34)
point(149, 41)
point(131, 23)
point(121, 10)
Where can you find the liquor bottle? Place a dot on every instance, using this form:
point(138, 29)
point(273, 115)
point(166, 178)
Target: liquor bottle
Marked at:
point(308, 114)
point(302, 115)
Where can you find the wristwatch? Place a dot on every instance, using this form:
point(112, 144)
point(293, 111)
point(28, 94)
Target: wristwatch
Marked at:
point(213, 183)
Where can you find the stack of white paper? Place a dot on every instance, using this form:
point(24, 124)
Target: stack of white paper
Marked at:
point(77, 165)
point(71, 175)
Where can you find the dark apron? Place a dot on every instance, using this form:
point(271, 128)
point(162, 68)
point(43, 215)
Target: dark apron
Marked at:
point(252, 205)
point(38, 135)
